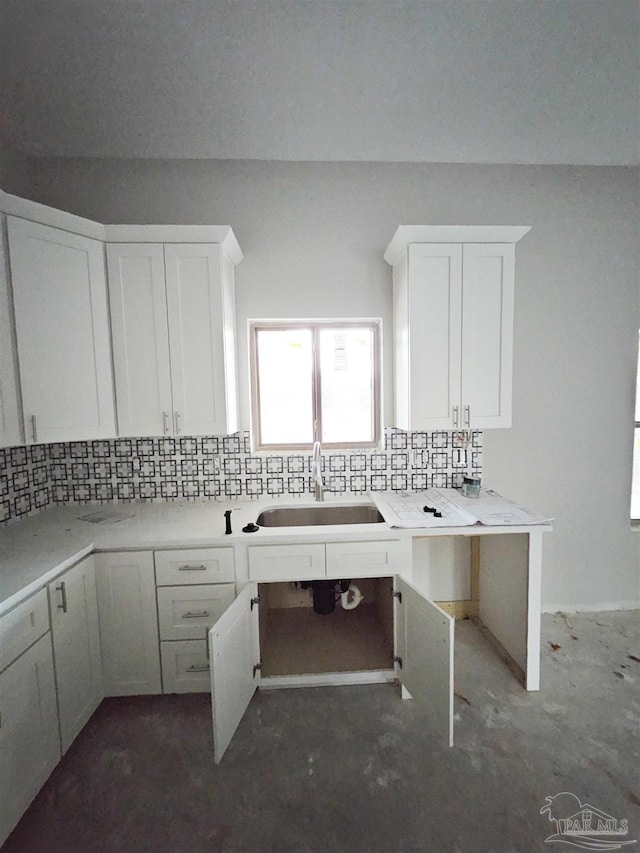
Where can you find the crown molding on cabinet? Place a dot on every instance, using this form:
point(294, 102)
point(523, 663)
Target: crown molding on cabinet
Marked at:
point(450, 234)
point(13, 205)
point(222, 234)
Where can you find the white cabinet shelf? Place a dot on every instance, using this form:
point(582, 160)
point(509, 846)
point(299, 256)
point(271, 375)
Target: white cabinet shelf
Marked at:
point(453, 326)
point(173, 327)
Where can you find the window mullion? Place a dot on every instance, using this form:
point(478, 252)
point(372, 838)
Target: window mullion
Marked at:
point(317, 385)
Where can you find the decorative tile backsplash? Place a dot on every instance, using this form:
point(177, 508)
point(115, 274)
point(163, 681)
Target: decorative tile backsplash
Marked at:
point(35, 477)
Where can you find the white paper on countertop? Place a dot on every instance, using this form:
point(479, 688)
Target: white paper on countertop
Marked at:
point(406, 509)
point(493, 510)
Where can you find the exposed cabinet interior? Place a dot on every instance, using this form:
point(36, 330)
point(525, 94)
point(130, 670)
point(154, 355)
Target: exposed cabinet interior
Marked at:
point(294, 640)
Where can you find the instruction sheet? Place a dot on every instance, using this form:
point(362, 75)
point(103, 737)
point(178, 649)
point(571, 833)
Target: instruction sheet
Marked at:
point(449, 508)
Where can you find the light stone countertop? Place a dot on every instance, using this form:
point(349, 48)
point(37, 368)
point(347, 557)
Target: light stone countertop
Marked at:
point(34, 551)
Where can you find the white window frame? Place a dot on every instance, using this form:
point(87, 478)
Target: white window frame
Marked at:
point(635, 460)
point(255, 326)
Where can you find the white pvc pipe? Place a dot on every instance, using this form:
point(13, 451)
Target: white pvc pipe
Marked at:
point(355, 601)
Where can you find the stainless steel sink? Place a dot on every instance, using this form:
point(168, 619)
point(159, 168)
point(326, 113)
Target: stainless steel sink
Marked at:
point(309, 516)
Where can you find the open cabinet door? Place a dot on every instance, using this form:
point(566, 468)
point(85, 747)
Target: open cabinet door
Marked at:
point(424, 642)
point(233, 652)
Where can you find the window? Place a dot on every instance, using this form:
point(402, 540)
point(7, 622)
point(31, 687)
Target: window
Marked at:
point(635, 481)
point(315, 381)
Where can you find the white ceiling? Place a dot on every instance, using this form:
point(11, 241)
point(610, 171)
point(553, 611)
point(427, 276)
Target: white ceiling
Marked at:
point(473, 81)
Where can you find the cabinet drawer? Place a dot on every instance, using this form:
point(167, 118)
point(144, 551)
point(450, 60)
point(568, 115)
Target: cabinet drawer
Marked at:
point(194, 566)
point(185, 666)
point(286, 562)
point(22, 626)
point(363, 559)
point(186, 613)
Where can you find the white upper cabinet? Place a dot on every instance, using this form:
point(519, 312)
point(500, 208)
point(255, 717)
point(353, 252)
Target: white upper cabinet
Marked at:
point(173, 326)
point(62, 331)
point(453, 326)
point(137, 296)
point(10, 418)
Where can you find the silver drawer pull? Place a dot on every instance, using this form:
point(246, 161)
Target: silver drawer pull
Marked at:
point(198, 615)
point(188, 568)
point(62, 589)
point(198, 667)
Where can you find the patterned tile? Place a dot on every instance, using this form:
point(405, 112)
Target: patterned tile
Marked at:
point(35, 477)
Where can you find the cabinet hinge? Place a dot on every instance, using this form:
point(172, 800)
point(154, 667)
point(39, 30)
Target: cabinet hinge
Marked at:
point(257, 667)
point(397, 594)
point(255, 601)
point(397, 659)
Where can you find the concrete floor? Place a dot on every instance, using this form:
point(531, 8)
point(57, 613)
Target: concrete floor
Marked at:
point(355, 769)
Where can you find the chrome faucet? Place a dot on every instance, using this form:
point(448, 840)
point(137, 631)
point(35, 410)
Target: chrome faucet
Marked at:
point(316, 470)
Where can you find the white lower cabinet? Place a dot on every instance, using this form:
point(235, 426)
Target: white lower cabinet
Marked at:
point(29, 737)
point(314, 649)
point(374, 558)
point(195, 587)
point(29, 742)
point(129, 636)
point(76, 647)
point(185, 666)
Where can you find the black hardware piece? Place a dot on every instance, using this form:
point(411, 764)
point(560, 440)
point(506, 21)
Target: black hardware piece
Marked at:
point(256, 668)
point(437, 514)
point(254, 601)
point(250, 528)
point(397, 659)
point(397, 594)
point(429, 509)
point(227, 522)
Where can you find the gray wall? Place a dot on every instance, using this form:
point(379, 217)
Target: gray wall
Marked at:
point(313, 237)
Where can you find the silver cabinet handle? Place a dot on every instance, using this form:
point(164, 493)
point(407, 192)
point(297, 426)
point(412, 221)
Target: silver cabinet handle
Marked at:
point(201, 615)
point(456, 417)
point(176, 416)
point(198, 667)
point(34, 429)
point(467, 416)
point(188, 568)
point(165, 423)
point(62, 589)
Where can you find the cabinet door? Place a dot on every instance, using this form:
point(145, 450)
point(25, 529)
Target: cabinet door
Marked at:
point(434, 306)
point(286, 562)
point(363, 559)
point(185, 666)
point(10, 420)
point(194, 566)
point(424, 642)
point(128, 623)
point(29, 742)
point(62, 330)
point(233, 653)
point(487, 334)
point(187, 612)
point(76, 646)
point(140, 333)
point(196, 311)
